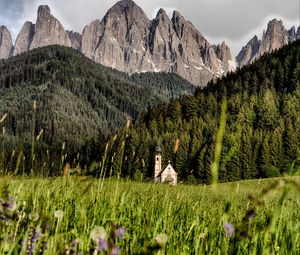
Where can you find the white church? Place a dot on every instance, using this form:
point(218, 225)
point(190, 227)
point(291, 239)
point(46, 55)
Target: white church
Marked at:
point(168, 175)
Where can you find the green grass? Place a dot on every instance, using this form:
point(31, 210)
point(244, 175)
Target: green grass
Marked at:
point(192, 217)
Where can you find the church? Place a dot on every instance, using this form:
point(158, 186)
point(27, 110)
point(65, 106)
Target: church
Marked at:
point(167, 175)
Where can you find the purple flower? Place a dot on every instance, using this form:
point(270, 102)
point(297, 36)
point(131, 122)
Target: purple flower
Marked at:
point(119, 233)
point(31, 241)
point(101, 245)
point(229, 229)
point(251, 214)
point(115, 250)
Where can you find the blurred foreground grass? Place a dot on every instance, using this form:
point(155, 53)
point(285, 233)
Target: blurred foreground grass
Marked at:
point(57, 216)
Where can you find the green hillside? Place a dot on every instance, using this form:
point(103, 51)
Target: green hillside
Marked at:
point(262, 135)
point(77, 100)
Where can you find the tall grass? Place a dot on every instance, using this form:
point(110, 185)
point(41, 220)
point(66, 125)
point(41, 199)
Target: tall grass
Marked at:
point(264, 216)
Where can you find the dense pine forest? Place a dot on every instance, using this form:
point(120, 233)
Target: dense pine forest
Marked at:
point(57, 103)
point(262, 135)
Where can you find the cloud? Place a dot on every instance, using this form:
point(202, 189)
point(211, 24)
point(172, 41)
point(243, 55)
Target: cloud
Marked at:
point(218, 20)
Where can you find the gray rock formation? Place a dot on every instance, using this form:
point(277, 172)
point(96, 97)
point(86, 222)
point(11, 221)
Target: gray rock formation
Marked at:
point(127, 40)
point(6, 45)
point(48, 30)
point(90, 37)
point(298, 34)
point(248, 52)
point(125, 29)
point(275, 37)
point(24, 38)
point(292, 36)
point(75, 40)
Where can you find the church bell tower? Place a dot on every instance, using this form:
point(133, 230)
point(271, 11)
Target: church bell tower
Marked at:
point(157, 165)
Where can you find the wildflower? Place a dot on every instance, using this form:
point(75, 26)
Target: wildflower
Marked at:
point(119, 233)
point(34, 216)
point(71, 248)
point(161, 239)
point(102, 245)
point(59, 214)
point(251, 214)
point(33, 236)
point(201, 236)
point(11, 204)
point(115, 250)
point(229, 229)
point(98, 233)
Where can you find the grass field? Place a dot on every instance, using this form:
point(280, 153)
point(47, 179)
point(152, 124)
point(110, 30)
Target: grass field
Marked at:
point(60, 216)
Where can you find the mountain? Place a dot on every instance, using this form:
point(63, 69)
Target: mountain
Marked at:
point(275, 37)
point(47, 31)
point(76, 39)
point(127, 40)
point(5, 43)
point(77, 100)
point(24, 38)
point(262, 132)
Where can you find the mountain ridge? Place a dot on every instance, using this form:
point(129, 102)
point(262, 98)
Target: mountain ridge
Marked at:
point(127, 40)
point(275, 37)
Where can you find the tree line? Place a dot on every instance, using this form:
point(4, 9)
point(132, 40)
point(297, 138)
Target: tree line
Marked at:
point(262, 135)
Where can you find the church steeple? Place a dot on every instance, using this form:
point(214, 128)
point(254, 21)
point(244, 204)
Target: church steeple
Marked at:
point(157, 165)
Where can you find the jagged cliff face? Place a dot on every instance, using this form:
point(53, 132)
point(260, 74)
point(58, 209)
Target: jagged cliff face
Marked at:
point(248, 53)
point(5, 43)
point(24, 38)
point(48, 30)
point(127, 40)
point(75, 39)
point(275, 37)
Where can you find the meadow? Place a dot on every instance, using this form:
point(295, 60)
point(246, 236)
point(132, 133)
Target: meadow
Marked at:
point(81, 215)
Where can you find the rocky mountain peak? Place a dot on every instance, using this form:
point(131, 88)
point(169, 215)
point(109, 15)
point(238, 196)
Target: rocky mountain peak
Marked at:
point(76, 39)
point(248, 52)
point(178, 22)
point(161, 14)
point(292, 34)
point(48, 30)
point(127, 40)
point(24, 38)
point(43, 10)
point(128, 9)
point(275, 37)
point(161, 18)
point(223, 51)
point(6, 45)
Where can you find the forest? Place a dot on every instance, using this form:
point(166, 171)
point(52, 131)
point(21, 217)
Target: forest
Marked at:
point(57, 104)
point(262, 132)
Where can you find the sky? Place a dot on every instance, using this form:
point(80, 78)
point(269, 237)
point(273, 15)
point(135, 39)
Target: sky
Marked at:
point(232, 21)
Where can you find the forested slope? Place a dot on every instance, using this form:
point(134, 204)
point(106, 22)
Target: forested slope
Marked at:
point(77, 100)
point(262, 136)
